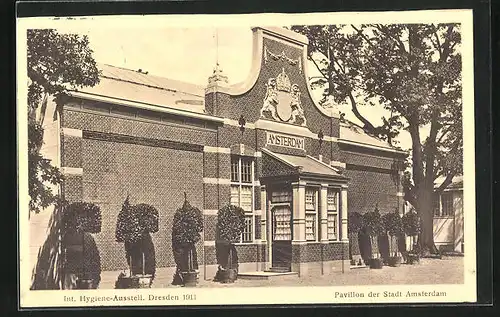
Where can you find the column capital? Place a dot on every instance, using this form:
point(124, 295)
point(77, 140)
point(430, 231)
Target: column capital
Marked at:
point(299, 184)
point(324, 186)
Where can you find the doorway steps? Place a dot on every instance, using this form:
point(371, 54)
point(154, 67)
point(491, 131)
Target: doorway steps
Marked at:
point(271, 274)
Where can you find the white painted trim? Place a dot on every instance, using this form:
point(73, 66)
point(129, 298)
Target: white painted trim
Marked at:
point(243, 87)
point(152, 107)
point(258, 154)
point(209, 243)
point(372, 146)
point(221, 181)
point(338, 164)
point(210, 212)
point(400, 194)
point(291, 129)
point(72, 170)
point(256, 183)
point(213, 149)
point(257, 212)
point(288, 35)
point(235, 123)
point(72, 132)
point(330, 112)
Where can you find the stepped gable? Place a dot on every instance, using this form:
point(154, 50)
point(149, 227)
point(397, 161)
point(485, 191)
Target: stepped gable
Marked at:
point(277, 87)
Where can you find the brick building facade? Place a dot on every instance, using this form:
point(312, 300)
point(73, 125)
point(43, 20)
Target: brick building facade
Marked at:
point(265, 145)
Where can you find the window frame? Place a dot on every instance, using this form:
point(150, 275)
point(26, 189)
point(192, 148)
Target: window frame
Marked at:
point(335, 212)
point(240, 184)
point(312, 212)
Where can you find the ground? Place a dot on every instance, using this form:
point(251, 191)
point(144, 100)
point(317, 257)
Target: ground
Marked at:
point(448, 270)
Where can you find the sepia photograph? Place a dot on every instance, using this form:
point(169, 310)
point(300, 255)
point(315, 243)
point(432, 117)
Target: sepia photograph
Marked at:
point(246, 159)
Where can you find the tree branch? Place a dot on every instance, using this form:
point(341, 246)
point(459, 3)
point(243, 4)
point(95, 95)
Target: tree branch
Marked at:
point(446, 183)
point(367, 124)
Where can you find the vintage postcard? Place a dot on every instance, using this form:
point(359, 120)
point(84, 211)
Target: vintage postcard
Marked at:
point(246, 159)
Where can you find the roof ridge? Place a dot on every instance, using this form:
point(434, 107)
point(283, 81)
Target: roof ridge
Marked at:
point(201, 87)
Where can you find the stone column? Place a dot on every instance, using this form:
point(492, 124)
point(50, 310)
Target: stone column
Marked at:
point(263, 263)
point(299, 227)
point(343, 214)
point(323, 221)
point(323, 213)
point(344, 234)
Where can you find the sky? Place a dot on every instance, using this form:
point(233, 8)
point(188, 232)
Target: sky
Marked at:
point(190, 54)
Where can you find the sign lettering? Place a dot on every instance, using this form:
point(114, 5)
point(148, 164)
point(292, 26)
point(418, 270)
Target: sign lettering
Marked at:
point(285, 141)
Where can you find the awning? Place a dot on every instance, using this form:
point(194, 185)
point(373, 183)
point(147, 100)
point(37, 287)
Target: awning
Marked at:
point(304, 165)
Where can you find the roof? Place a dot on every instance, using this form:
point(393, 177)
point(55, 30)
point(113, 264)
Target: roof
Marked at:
point(352, 132)
point(136, 86)
point(305, 164)
point(456, 183)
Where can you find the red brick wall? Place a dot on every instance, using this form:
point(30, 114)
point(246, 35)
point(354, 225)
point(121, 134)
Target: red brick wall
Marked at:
point(151, 175)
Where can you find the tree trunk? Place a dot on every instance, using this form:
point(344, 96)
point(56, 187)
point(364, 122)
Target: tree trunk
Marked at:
point(426, 237)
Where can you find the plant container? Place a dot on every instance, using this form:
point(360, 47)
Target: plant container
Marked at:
point(376, 263)
point(394, 261)
point(85, 284)
point(190, 278)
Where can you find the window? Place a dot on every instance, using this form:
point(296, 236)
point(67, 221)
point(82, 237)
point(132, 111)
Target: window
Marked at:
point(437, 211)
point(281, 196)
point(332, 214)
point(447, 204)
point(311, 213)
point(242, 192)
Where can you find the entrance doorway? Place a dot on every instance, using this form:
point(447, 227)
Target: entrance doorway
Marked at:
point(282, 237)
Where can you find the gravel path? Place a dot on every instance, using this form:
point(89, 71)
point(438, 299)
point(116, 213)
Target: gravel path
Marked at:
point(448, 270)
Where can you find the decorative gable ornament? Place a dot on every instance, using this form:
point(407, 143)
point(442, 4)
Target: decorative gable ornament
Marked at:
point(282, 101)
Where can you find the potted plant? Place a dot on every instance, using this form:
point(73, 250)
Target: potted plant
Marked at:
point(394, 227)
point(374, 227)
point(230, 225)
point(411, 227)
point(355, 221)
point(186, 232)
point(81, 256)
point(134, 227)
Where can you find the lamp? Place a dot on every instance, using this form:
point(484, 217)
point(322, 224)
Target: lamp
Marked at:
point(242, 123)
point(320, 137)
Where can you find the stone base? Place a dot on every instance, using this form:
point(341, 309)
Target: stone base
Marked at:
point(210, 270)
point(321, 268)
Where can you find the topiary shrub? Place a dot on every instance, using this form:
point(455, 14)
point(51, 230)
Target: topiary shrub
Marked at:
point(82, 260)
point(411, 227)
point(355, 224)
point(82, 217)
point(186, 232)
point(394, 228)
point(230, 226)
point(134, 226)
point(374, 227)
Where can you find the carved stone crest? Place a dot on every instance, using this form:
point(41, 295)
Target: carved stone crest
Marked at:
point(282, 101)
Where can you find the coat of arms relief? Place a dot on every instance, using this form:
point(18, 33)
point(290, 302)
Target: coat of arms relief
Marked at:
point(282, 101)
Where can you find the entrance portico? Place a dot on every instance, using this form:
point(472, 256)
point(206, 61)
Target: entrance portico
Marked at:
point(304, 214)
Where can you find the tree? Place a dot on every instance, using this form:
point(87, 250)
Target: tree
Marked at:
point(414, 72)
point(56, 62)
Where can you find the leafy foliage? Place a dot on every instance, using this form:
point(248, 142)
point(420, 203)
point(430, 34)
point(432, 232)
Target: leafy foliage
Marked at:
point(393, 223)
point(413, 71)
point(82, 217)
point(355, 222)
point(56, 62)
point(230, 223)
point(373, 223)
point(411, 223)
point(134, 222)
point(187, 225)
